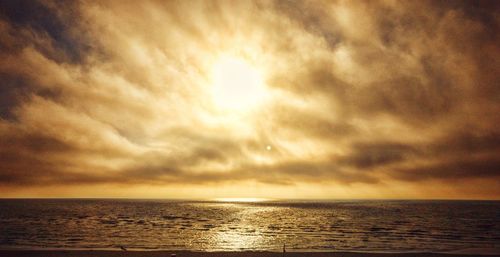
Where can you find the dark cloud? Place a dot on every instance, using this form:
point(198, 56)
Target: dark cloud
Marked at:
point(487, 168)
point(467, 142)
point(408, 99)
point(311, 17)
point(371, 155)
point(14, 88)
point(47, 20)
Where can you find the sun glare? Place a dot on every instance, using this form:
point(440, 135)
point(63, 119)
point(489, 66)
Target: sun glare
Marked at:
point(237, 85)
point(241, 200)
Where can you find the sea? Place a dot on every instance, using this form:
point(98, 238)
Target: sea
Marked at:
point(347, 226)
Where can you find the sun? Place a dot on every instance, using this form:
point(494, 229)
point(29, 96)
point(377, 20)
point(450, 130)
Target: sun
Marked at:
point(237, 85)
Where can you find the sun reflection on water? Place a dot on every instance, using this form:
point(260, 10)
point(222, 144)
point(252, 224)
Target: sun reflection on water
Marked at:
point(241, 199)
point(244, 230)
point(236, 240)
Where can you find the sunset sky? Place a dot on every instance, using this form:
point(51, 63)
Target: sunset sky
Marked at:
point(272, 99)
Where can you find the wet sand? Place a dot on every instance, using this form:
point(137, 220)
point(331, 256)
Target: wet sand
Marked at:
point(103, 253)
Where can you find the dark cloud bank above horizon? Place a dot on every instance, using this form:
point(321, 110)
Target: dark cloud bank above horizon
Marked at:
point(359, 94)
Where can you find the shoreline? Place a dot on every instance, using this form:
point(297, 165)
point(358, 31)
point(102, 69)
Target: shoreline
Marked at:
point(187, 253)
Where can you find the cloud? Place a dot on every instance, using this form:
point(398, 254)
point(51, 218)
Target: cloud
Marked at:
point(370, 155)
point(453, 170)
point(359, 94)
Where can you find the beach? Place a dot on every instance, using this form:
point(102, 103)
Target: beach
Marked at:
point(107, 253)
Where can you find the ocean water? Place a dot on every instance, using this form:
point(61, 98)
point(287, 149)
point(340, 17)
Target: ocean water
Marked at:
point(371, 226)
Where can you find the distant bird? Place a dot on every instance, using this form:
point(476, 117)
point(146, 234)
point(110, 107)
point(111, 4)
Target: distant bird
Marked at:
point(123, 248)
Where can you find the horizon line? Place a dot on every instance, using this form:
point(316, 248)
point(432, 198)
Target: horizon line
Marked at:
point(249, 199)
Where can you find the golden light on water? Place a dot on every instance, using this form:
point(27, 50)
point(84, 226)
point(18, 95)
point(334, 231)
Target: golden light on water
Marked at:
point(237, 241)
point(245, 232)
point(242, 199)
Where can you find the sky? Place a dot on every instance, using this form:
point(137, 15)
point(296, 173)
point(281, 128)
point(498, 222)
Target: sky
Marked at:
point(267, 99)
